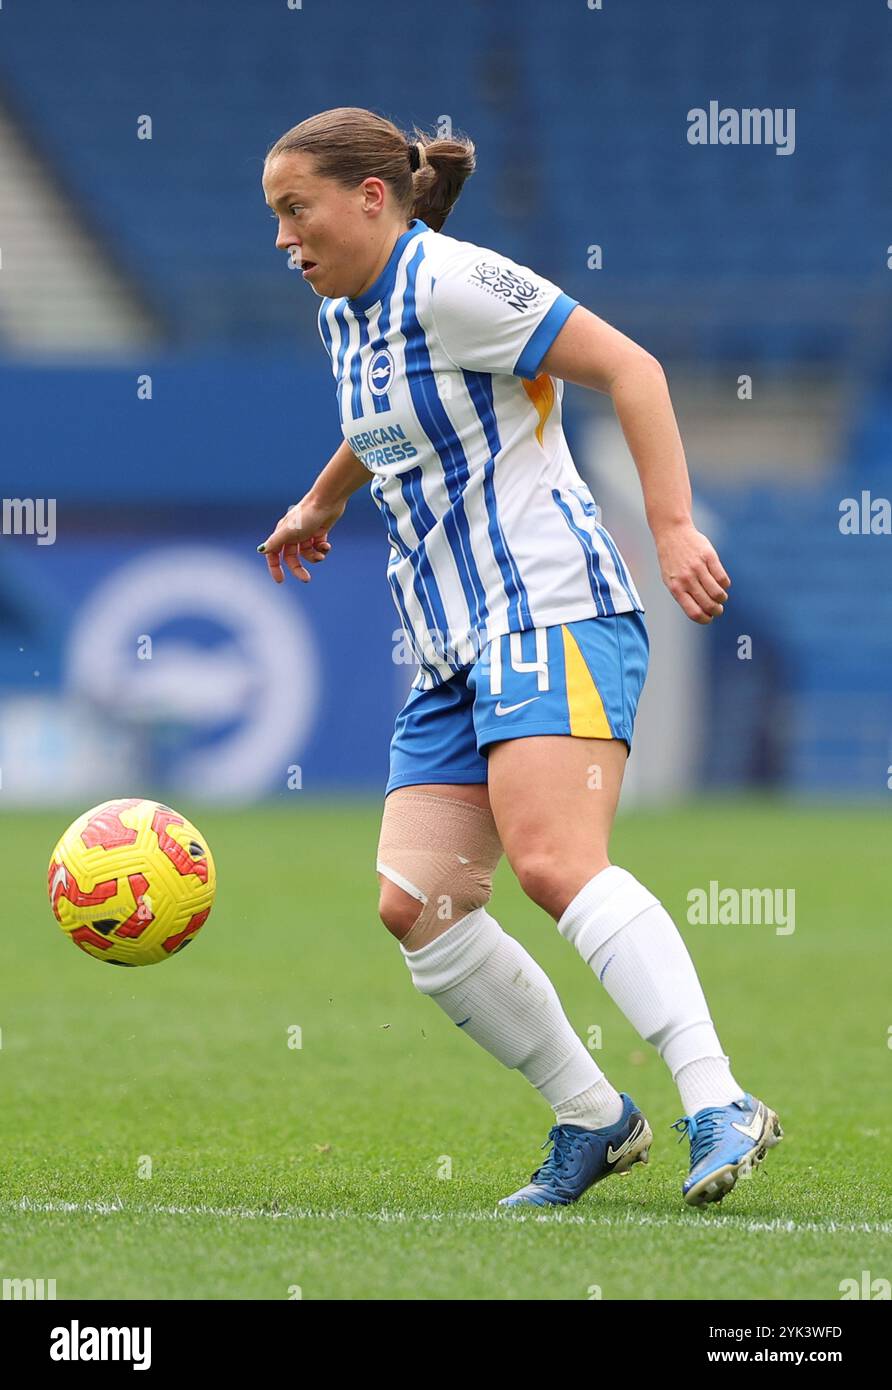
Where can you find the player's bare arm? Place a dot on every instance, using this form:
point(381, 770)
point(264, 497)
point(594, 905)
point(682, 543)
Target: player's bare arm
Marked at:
point(590, 352)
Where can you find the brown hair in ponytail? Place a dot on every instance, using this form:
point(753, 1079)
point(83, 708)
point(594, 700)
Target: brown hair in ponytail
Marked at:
point(350, 144)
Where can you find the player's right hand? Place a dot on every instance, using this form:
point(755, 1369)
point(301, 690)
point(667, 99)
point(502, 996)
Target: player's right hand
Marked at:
point(301, 534)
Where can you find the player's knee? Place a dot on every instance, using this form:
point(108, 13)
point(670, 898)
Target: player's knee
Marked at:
point(550, 878)
point(538, 872)
point(448, 897)
point(436, 857)
point(398, 910)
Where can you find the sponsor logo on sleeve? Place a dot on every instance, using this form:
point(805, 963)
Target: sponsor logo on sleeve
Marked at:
point(505, 284)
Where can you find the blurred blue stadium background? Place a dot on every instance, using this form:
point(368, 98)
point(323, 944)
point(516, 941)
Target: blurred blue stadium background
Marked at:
point(162, 377)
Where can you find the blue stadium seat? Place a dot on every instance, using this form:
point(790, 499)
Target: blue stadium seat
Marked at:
point(580, 118)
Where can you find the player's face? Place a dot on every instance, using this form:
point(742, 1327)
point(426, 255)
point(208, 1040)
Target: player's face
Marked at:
point(325, 227)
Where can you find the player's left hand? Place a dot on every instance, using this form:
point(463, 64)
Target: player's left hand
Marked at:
point(692, 572)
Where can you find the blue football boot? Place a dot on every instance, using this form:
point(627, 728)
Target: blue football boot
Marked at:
point(581, 1157)
point(727, 1141)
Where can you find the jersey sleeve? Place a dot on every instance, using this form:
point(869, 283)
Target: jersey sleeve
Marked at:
point(493, 315)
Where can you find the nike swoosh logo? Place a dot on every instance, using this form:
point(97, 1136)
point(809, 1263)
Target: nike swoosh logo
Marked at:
point(614, 1154)
point(754, 1129)
point(509, 709)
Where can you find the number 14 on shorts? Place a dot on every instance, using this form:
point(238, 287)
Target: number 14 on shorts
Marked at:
point(493, 658)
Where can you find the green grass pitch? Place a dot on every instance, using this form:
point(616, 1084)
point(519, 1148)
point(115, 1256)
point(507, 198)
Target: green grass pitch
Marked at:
point(366, 1163)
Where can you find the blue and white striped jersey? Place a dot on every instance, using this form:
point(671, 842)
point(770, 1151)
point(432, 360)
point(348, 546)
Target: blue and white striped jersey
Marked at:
point(492, 529)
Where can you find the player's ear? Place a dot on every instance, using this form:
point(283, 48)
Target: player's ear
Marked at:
point(374, 195)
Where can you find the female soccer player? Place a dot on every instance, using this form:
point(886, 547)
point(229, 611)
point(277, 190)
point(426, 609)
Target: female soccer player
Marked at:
point(449, 361)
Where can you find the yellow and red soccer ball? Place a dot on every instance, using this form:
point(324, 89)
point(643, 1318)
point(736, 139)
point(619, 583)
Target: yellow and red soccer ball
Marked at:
point(131, 882)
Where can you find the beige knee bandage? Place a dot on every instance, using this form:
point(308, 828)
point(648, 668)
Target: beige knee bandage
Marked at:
point(443, 852)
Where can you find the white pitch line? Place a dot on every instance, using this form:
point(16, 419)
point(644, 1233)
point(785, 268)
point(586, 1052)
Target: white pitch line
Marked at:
point(385, 1217)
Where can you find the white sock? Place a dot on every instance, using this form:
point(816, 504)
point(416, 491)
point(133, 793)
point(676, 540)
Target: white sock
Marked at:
point(596, 1108)
point(628, 938)
point(707, 1082)
point(488, 984)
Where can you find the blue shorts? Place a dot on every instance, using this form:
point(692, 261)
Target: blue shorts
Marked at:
point(581, 678)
